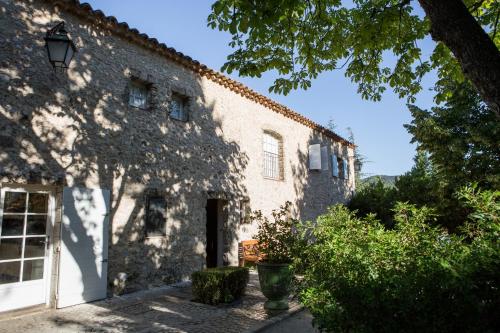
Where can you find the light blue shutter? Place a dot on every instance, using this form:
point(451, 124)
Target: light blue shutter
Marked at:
point(335, 166)
point(346, 169)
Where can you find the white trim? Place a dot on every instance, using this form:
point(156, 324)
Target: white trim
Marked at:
point(48, 258)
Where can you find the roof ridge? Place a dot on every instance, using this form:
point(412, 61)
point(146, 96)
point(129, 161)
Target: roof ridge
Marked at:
point(98, 17)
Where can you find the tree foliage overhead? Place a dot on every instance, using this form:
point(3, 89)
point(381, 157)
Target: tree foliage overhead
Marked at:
point(462, 138)
point(299, 39)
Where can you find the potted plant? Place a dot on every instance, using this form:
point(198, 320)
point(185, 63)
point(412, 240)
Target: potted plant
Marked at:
point(275, 245)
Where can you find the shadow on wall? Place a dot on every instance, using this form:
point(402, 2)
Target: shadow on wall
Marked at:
point(77, 129)
point(309, 186)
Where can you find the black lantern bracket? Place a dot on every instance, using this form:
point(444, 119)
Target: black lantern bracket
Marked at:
point(60, 48)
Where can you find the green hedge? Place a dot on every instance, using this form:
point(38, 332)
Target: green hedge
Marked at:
point(362, 277)
point(219, 285)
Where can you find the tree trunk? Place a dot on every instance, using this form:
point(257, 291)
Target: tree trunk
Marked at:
point(453, 25)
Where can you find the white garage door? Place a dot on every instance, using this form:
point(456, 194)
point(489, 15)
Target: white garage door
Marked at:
point(84, 246)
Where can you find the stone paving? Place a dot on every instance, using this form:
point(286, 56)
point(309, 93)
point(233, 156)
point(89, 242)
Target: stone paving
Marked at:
point(168, 309)
point(300, 322)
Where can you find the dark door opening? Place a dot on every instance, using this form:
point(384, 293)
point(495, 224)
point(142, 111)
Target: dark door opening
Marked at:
point(212, 231)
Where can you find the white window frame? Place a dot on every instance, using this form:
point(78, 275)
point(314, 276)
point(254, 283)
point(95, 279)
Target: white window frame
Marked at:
point(271, 156)
point(49, 230)
point(138, 95)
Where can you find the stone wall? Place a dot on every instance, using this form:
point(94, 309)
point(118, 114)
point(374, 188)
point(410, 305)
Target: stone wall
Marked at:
point(76, 129)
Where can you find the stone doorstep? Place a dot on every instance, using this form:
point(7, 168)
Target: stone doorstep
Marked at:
point(19, 313)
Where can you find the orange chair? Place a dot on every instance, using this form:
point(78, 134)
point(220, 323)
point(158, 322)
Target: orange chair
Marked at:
point(248, 251)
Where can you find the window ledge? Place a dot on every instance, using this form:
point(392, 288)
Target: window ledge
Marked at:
point(179, 120)
point(139, 107)
point(275, 179)
point(156, 237)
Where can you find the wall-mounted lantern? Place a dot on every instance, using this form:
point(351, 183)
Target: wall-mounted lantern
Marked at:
point(358, 164)
point(59, 47)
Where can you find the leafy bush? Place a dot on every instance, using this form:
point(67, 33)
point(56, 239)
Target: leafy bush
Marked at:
point(423, 185)
point(276, 237)
point(362, 277)
point(376, 198)
point(219, 285)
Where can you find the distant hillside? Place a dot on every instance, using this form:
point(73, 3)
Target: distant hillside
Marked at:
point(387, 180)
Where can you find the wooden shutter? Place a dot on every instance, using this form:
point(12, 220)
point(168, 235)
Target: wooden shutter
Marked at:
point(346, 168)
point(83, 261)
point(315, 157)
point(335, 166)
point(324, 158)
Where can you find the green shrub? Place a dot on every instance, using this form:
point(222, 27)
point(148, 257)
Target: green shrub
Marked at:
point(375, 198)
point(423, 185)
point(362, 277)
point(276, 238)
point(219, 285)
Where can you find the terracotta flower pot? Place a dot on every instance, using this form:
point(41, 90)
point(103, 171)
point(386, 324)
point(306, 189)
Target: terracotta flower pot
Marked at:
point(275, 281)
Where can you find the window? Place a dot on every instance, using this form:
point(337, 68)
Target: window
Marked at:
point(23, 230)
point(178, 107)
point(345, 167)
point(273, 159)
point(155, 216)
point(340, 167)
point(335, 166)
point(138, 95)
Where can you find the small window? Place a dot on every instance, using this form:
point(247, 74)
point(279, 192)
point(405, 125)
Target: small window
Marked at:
point(155, 216)
point(335, 166)
point(178, 107)
point(138, 95)
point(340, 166)
point(345, 166)
point(273, 159)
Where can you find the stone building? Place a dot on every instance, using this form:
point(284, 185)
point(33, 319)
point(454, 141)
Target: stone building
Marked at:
point(137, 165)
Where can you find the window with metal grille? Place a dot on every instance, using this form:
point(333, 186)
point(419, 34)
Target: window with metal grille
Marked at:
point(272, 158)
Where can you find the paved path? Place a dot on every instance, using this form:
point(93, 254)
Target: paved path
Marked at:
point(300, 322)
point(167, 309)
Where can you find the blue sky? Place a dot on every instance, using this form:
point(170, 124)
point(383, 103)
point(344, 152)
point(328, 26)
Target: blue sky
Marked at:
point(377, 126)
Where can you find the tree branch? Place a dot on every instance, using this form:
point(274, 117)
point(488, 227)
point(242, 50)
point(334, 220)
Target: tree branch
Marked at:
point(496, 24)
point(475, 6)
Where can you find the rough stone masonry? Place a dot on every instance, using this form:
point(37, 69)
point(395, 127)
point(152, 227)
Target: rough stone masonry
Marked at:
point(76, 128)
